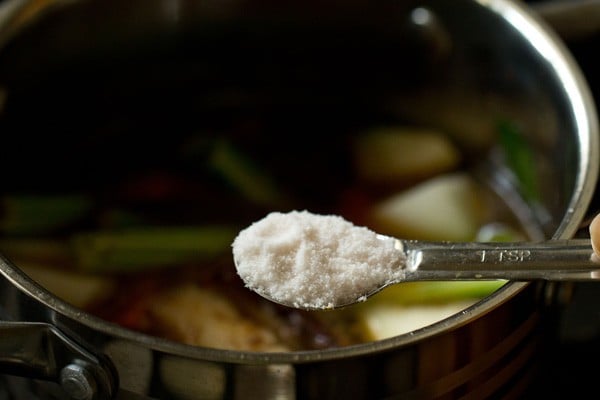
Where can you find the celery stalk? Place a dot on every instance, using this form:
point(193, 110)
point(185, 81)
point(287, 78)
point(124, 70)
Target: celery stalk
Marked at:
point(244, 176)
point(40, 214)
point(520, 159)
point(137, 249)
point(436, 291)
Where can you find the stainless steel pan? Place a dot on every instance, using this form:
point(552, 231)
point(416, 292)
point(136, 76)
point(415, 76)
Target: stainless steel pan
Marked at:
point(474, 58)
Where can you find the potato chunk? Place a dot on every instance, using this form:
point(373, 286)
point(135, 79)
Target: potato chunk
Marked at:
point(75, 288)
point(404, 155)
point(446, 207)
point(385, 320)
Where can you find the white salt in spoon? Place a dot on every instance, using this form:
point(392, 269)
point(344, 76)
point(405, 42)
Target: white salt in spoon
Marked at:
point(310, 261)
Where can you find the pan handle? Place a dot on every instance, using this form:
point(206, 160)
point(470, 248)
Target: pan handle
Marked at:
point(40, 351)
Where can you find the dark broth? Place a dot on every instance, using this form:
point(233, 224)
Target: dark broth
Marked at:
point(158, 137)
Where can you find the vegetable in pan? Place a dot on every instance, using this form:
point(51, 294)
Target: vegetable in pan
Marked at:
point(151, 250)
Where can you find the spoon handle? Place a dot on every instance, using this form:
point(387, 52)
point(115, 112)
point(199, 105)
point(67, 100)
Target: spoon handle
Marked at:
point(553, 260)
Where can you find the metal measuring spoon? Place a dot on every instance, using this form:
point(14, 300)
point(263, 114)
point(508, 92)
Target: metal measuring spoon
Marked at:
point(314, 262)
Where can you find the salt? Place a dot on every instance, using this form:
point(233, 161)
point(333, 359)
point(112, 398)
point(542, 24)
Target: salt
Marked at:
point(314, 261)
